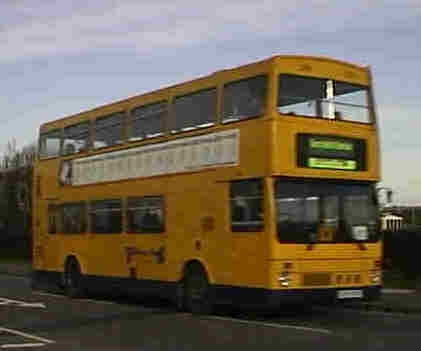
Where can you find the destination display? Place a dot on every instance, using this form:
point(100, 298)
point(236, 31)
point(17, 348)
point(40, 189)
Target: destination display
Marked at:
point(327, 152)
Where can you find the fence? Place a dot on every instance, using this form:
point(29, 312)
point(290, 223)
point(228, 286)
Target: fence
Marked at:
point(402, 252)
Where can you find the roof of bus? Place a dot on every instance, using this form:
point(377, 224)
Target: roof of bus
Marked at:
point(256, 63)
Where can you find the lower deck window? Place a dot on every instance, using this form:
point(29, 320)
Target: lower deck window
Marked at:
point(246, 197)
point(145, 215)
point(105, 216)
point(72, 218)
point(52, 219)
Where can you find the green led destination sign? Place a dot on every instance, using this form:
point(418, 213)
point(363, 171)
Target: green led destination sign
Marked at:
point(323, 144)
point(349, 165)
point(330, 152)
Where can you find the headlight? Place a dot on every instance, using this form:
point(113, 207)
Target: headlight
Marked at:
point(284, 279)
point(375, 273)
point(375, 277)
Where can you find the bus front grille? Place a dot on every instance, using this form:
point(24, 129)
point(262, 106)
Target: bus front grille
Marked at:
point(316, 279)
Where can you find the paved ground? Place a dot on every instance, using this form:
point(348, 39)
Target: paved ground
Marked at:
point(393, 300)
point(53, 322)
point(20, 268)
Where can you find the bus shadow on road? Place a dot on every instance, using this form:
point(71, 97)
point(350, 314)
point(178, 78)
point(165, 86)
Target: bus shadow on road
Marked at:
point(151, 305)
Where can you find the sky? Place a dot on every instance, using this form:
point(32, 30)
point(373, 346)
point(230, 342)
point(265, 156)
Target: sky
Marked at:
point(58, 58)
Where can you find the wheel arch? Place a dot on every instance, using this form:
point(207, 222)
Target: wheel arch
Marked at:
point(78, 259)
point(197, 262)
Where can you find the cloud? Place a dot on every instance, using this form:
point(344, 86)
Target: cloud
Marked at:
point(400, 145)
point(401, 172)
point(399, 126)
point(146, 26)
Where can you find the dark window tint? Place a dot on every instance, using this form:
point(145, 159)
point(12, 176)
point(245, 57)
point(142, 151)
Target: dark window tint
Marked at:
point(147, 121)
point(321, 211)
point(145, 215)
point(294, 90)
point(105, 216)
point(52, 219)
point(244, 99)
point(195, 110)
point(351, 102)
point(317, 97)
point(72, 218)
point(108, 130)
point(76, 138)
point(246, 197)
point(49, 144)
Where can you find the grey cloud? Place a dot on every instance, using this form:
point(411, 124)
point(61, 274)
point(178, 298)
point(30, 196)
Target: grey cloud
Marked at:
point(159, 24)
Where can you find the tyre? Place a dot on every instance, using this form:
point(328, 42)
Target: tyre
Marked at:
point(34, 282)
point(197, 298)
point(73, 287)
point(179, 300)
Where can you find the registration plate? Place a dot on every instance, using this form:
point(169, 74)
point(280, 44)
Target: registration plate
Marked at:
point(349, 294)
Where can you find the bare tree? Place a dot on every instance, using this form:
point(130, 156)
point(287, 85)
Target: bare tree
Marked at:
point(16, 169)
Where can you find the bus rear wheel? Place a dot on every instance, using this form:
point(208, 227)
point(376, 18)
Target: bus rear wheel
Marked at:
point(73, 279)
point(196, 291)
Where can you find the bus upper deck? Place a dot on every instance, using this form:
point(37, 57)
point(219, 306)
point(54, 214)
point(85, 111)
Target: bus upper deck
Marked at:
point(304, 96)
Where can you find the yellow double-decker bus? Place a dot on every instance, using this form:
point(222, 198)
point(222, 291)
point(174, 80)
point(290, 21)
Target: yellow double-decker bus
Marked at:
point(251, 185)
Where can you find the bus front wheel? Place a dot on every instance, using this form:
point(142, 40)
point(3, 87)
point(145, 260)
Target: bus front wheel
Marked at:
point(73, 279)
point(196, 291)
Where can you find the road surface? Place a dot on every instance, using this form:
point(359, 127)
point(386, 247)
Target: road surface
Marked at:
point(41, 321)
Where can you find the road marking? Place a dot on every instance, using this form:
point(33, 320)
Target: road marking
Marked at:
point(272, 325)
point(5, 301)
point(11, 346)
point(64, 296)
point(47, 294)
point(102, 302)
point(43, 341)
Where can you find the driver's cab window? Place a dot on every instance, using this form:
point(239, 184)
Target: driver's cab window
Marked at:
point(246, 199)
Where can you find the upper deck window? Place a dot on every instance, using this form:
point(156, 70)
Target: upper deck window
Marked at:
point(147, 121)
point(108, 130)
point(314, 97)
point(244, 99)
point(76, 138)
point(195, 110)
point(49, 145)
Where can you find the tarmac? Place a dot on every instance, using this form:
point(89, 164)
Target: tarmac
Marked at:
point(16, 269)
point(393, 300)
